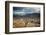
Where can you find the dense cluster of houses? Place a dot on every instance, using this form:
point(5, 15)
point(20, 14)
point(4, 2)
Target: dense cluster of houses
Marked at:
point(26, 22)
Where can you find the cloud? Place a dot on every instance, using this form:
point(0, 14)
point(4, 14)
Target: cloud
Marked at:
point(24, 11)
point(19, 13)
point(36, 10)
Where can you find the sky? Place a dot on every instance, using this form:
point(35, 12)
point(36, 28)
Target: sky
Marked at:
point(25, 10)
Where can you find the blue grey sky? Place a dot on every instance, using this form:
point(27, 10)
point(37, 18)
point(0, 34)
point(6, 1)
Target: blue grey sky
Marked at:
point(25, 10)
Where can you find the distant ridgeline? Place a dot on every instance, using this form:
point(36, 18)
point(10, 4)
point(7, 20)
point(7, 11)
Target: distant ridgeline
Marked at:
point(27, 15)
